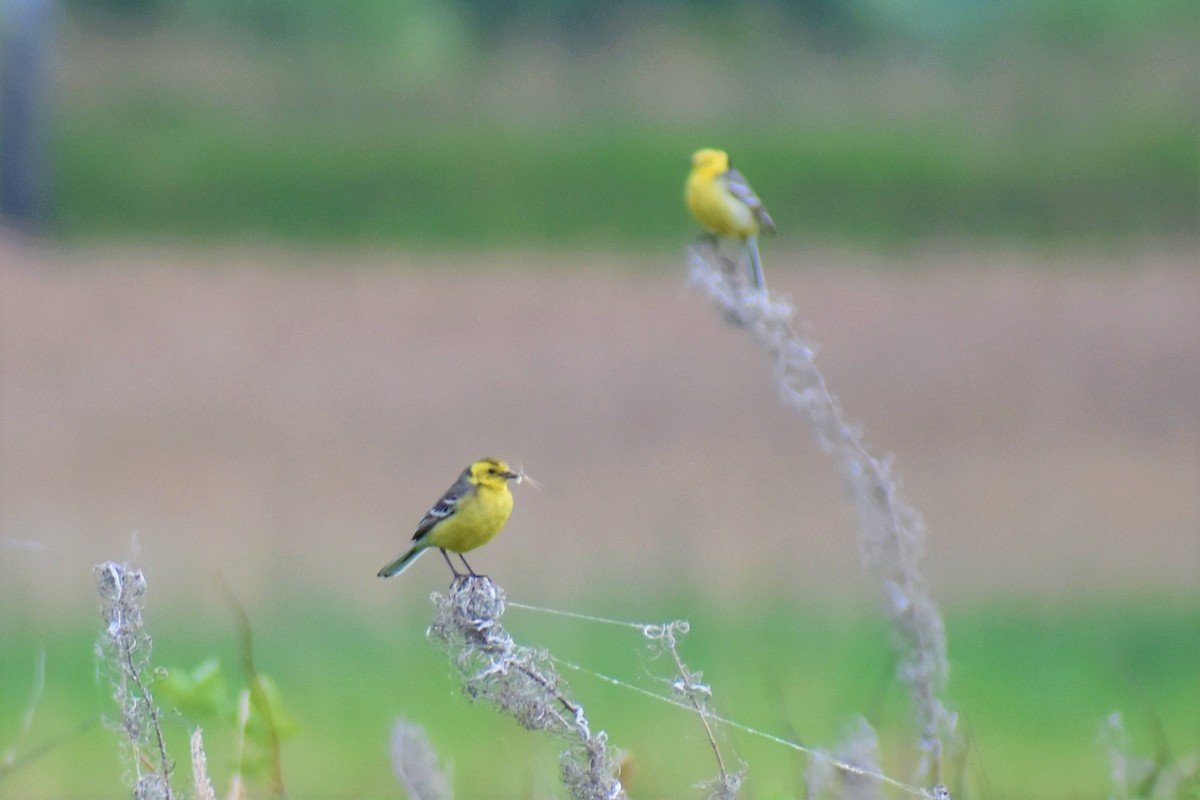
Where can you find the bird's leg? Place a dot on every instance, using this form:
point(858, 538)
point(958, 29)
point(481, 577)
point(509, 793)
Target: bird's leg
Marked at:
point(470, 572)
point(712, 244)
point(446, 556)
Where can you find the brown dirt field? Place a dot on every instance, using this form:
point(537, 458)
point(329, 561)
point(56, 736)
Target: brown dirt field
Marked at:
point(280, 416)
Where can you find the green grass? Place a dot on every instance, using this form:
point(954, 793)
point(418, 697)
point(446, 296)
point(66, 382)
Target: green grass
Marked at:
point(1031, 682)
point(163, 169)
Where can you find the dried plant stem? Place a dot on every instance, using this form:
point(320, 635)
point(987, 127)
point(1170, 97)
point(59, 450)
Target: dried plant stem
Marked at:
point(688, 690)
point(201, 785)
point(521, 682)
point(9, 758)
point(857, 751)
point(416, 764)
point(30, 756)
point(689, 686)
point(152, 712)
point(126, 648)
point(712, 741)
point(237, 785)
point(890, 530)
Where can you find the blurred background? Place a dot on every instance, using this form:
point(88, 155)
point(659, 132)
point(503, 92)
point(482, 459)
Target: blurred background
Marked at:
point(273, 272)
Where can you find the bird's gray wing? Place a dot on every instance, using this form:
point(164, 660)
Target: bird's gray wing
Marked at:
point(739, 187)
point(444, 507)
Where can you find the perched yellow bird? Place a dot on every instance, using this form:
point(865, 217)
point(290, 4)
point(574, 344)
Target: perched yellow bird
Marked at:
point(721, 199)
point(469, 515)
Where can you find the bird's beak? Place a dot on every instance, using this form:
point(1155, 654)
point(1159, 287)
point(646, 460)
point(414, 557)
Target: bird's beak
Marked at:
point(508, 476)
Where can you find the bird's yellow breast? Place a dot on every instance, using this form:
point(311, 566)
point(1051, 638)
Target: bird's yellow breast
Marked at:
point(715, 207)
point(479, 516)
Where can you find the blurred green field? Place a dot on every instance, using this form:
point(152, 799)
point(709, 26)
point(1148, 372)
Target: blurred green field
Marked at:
point(434, 125)
point(1032, 684)
point(187, 174)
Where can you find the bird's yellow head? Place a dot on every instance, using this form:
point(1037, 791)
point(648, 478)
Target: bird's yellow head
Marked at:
point(710, 161)
point(490, 472)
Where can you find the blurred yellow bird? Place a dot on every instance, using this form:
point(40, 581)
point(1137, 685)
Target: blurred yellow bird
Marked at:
point(721, 199)
point(469, 515)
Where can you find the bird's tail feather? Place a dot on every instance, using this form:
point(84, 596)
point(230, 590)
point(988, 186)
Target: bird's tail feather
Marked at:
point(402, 563)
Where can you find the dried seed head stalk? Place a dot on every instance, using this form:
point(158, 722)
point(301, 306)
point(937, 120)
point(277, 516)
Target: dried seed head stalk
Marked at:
point(522, 682)
point(124, 653)
point(416, 764)
point(890, 531)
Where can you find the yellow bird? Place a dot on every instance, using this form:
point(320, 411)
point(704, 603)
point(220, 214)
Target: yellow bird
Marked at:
point(721, 199)
point(469, 515)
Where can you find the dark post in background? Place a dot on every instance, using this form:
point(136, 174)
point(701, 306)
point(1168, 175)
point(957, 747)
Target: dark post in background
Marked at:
point(26, 35)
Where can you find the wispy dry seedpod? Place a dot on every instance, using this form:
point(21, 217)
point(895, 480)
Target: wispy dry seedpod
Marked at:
point(890, 531)
point(124, 655)
point(521, 682)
